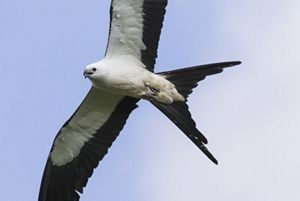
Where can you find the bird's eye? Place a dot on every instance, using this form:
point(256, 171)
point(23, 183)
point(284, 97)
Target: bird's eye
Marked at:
point(94, 69)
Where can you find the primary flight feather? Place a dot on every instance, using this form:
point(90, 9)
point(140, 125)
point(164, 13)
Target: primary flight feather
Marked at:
point(123, 77)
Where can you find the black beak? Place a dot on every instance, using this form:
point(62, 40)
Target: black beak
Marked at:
point(87, 74)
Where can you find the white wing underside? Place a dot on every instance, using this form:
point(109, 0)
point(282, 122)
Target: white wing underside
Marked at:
point(126, 29)
point(90, 116)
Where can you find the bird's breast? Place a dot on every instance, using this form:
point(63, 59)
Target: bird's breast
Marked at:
point(123, 80)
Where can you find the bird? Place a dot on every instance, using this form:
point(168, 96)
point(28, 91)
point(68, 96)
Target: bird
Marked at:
point(123, 77)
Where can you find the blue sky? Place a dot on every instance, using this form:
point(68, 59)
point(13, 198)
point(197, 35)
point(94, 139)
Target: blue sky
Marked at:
point(250, 114)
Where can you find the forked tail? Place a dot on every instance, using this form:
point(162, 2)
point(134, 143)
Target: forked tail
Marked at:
point(185, 80)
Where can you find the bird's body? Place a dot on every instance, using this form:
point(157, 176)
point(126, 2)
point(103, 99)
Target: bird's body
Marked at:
point(123, 77)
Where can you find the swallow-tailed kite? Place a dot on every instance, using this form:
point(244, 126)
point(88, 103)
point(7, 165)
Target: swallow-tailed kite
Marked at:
point(123, 77)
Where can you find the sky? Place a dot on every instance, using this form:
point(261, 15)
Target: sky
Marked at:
point(250, 113)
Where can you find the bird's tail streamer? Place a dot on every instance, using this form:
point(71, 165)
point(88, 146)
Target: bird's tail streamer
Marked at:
point(185, 80)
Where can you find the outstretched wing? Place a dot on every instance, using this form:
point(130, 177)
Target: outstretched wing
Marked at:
point(82, 142)
point(135, 27)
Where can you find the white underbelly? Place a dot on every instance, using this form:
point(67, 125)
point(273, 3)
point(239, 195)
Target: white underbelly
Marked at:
point(129, 84)
point(130, 78)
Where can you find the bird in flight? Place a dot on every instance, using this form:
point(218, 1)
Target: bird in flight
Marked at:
point(123, 77)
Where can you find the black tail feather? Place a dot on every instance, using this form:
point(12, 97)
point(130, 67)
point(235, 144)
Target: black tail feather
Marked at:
point(178, 112)
point(185, 122)
point(185, 79)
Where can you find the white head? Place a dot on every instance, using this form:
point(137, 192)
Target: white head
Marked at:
point(92, 71)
